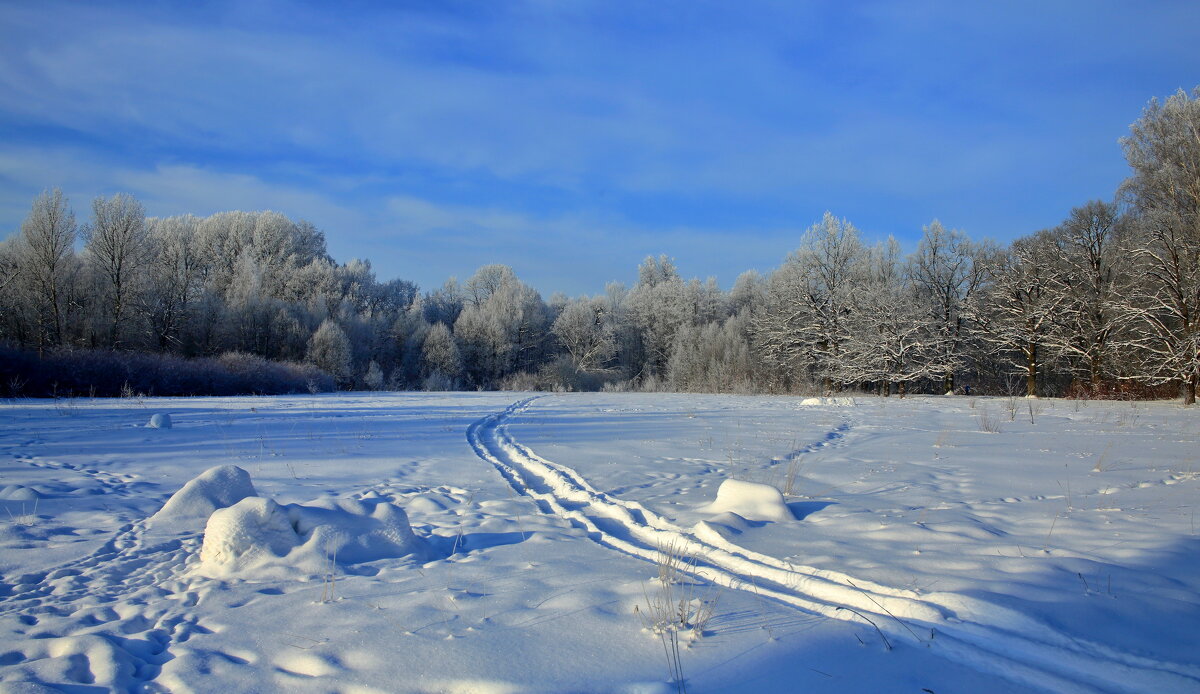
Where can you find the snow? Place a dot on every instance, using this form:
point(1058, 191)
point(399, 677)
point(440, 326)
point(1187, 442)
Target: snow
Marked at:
point(498, 542)
point(216, 488)
point(16, 492)
point(750, 501)
point(252, 529)
point(159, 420)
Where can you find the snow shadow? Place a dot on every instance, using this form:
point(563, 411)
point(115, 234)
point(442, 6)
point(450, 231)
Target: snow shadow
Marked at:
point(803, 509)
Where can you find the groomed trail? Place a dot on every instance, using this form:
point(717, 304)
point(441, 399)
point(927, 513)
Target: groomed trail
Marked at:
point(981, 635)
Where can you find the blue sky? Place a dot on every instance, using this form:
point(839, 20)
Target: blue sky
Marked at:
point(571, 139)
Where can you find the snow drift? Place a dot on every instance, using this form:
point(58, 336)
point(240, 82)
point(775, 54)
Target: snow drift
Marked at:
point(750, 500)
point(215, 488)
point(258, 536)
point(17, 492)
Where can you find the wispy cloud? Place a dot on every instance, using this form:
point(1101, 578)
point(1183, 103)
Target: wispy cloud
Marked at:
point(499, 128)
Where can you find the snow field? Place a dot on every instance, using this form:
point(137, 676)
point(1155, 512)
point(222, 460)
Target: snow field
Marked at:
point(1055, 555)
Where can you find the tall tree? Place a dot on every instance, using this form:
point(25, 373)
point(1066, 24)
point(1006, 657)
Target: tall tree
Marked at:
point(1092, 274)
point(891, 339)
point(658, 306)
point(585, 333)
point(46, 253)
point(1018, 310)
point(174, 279)
point(945, 271)
point(1163, 150)
point(118, 249)
point(809, 299)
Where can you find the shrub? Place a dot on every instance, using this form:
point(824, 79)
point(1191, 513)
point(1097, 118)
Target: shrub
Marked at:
point(104, 373)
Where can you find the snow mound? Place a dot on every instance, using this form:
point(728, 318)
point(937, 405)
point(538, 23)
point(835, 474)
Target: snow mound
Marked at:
point(251, 528)
point(159, 420)
point(215, 488)
point(355, 531)
point(16, 492)
point(259, 536)
point(722, 527)
point(749, 501)
point(828, 402)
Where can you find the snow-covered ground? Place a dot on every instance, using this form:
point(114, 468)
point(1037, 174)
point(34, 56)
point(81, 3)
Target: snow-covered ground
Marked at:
point(499, 542)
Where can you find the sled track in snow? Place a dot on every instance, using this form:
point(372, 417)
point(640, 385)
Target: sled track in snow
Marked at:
point(979, 634)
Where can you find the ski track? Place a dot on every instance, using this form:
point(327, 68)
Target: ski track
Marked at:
point(116, 612)
point(976, 633)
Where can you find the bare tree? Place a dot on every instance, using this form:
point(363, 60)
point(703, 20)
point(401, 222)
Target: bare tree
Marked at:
point(1092, 274)
point(486, 281)
point(10, 267)
point(946, 273)
point(1017, 312)
point(174, 279)
point(1164, 151)
point(118, 249)
point(890, 339)
point(45, 252)
point(809, 299)
point(583, 330)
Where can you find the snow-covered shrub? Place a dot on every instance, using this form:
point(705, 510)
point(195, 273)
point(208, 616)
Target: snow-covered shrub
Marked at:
point(329, 350)
point(437, 382)
point(373, 379)
point(521, 381)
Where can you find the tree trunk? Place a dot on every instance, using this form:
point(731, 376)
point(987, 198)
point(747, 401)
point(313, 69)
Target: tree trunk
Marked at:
point(1031, 371)
point(1189, 392)
point(948, 382)
point(901, 388)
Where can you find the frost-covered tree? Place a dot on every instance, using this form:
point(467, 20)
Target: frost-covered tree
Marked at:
point(329, 350)
point(946, 273)
point(891, 339)
point(117, 248)
point(1092, 272)
point(809, 298)
point(439, 355)
point(658, 305)
point(503, 335)
point(749, 293)
point(373, 379)
point(173, 279)
point(408, 332)
point(10, 268)
point(1163, 150)
point(486, 281)
point(584, 331)
point(445, 304)
point(1017, 311)
point(712, 358)
point(45, 253)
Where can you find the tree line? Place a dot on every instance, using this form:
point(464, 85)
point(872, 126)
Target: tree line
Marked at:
point(1107, 302)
